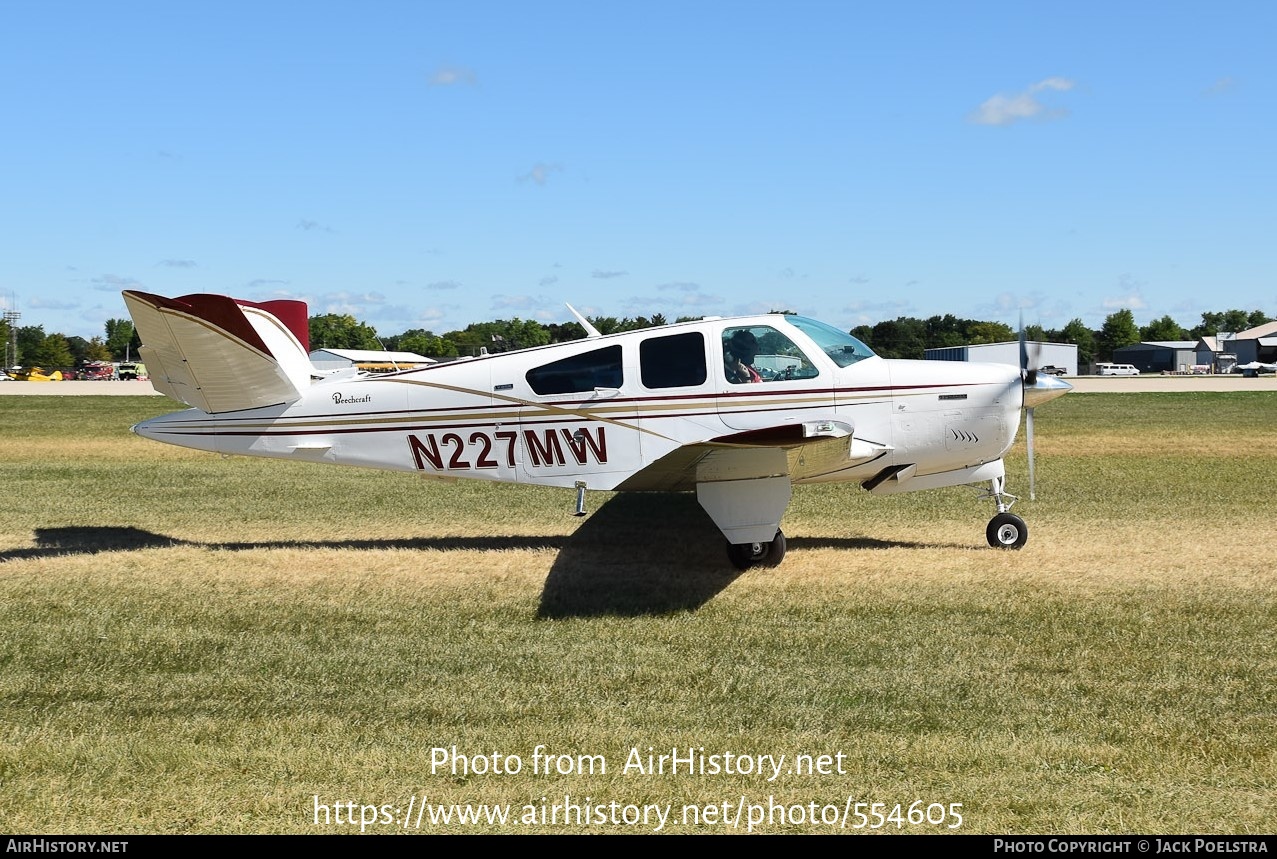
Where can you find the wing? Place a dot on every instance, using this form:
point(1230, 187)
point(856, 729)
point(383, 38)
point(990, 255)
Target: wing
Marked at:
point(813, 449)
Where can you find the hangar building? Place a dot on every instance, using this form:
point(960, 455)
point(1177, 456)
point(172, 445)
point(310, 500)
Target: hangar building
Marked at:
point(1158, 356)
point(1057, 354)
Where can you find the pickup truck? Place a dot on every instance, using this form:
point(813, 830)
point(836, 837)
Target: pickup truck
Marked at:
point(1052, 370)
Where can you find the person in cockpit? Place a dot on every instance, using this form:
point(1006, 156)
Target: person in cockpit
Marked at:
point(739, 351)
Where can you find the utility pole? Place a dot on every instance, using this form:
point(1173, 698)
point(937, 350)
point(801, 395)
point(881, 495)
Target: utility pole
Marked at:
point(11, 348)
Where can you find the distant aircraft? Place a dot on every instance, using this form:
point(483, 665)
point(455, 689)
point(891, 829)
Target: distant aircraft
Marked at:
point(735, 409)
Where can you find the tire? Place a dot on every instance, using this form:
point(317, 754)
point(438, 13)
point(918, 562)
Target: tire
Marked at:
point(1007, 531)
point(775, 551)
point(746, 555)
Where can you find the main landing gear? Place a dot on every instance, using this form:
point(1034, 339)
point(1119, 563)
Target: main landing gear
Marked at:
point(1005, 530)
point(746, 555)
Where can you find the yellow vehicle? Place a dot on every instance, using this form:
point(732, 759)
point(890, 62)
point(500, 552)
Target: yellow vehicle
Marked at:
point(36, 374)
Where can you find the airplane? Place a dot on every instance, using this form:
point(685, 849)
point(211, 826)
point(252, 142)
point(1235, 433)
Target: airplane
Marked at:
point(737, 410)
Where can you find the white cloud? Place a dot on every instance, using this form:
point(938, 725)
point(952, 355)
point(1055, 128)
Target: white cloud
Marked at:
point(361, 298)
point(453, 76)
point(1133, 301)
point(689, 300)
point(443, 284)
point(1006, 301)
point(1004, 109)
point(178, 263)
point(38, 303)
point(523, 303)
point(113, 282)
point(754, 307)
point(1132, 297)
point(897, 307)
point(1221, 86)
point(607, 275)
point(540, 172)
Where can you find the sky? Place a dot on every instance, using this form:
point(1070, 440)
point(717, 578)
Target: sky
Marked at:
point(429, 164)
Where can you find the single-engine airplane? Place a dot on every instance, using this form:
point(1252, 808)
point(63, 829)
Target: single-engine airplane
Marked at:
point(736, 409)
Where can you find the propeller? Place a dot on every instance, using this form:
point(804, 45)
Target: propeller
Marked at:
point(1036, 392)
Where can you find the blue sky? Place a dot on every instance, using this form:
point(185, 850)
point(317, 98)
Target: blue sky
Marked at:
point(428, 165)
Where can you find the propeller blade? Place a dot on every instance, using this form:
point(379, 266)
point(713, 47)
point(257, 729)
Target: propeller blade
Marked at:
point(1024, 347)
point(1028, 365)
point(1028, 438)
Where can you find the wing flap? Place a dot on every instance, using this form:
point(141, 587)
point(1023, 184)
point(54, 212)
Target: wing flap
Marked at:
point(799, 451)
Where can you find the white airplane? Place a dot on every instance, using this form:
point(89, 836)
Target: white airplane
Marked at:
point(737, 410)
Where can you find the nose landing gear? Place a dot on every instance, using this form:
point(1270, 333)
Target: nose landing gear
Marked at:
point(1005, 530)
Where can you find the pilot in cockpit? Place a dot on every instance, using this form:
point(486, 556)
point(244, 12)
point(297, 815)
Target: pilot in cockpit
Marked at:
point(739, 351)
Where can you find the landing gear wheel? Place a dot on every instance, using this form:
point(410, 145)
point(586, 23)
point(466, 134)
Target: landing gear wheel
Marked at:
point(746, 555)
point(1007, 531)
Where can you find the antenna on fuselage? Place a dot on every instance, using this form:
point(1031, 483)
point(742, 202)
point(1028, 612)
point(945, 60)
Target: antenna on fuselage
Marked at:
point(590, 330)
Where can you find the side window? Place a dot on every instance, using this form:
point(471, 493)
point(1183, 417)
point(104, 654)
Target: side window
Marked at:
point(579, 374)
point(676, 361)
point(760, 353)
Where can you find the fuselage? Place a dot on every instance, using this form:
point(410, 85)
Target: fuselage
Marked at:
point(606, 411)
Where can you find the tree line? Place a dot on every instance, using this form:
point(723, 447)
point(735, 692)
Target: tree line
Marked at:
point(909, 337)
point(903, 337)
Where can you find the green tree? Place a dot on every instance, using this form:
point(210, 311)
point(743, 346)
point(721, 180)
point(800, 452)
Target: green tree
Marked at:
point(502, 335)
point(96, 350)
point(1119, 329)
point(1079, 335)
point(903, 337)
point(1163, 329)
point(1229, 320)
point(51, 353)
point(562, 333)
point(79, 349)
point(341, 331)
point(120, 340)
point(424, 342)
point(990, 332)
point(30, 339)
point(943, 331)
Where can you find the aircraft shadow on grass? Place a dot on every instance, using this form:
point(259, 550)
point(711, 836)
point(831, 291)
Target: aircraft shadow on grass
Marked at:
point(638, 554)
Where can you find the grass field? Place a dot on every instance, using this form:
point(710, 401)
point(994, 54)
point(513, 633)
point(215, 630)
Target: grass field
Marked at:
point(199, 644)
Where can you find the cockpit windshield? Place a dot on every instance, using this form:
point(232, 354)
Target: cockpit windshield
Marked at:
point(840, 346)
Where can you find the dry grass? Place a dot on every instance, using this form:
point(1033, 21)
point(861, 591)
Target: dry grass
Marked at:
point(199, 644)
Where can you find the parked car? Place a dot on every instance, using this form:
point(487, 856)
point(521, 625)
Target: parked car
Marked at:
point(1052, 370)
point(1106, 369)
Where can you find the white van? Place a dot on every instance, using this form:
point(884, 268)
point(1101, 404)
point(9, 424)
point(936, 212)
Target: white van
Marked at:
point(1104, 369)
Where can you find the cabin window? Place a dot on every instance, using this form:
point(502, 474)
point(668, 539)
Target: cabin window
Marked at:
point(600, 368)
point(676, 361)
point(760, 353)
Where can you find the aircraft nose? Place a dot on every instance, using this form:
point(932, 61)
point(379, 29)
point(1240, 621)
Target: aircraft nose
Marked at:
point(1044, 389)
